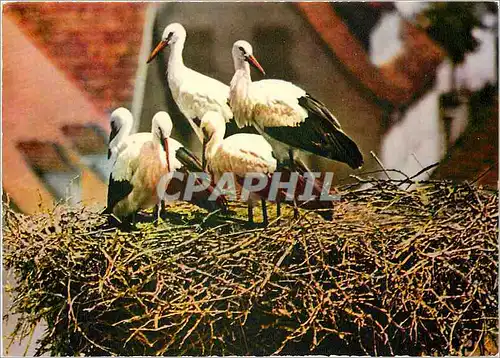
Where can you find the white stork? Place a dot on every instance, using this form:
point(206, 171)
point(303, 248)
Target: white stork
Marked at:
point(194, 93)
point(140, 164)
point(245, 153)
point(283, 112)
point(121, 121)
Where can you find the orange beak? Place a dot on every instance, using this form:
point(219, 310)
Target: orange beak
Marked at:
point(165, 145)
point(161, 45)
point(253, 61)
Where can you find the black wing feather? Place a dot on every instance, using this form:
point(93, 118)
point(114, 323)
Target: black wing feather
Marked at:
point(320, 134)
point(117, 190)
point(232, 128)
point(188, 160)
point(112, 135)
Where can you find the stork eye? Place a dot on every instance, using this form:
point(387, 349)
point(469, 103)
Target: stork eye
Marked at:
point(242, 50)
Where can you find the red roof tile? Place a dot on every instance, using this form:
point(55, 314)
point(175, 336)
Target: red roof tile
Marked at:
point(97, 44)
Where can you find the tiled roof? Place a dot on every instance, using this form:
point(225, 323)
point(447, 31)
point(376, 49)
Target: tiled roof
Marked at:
point(396, 82)
point(97, 44)
point(37, 102)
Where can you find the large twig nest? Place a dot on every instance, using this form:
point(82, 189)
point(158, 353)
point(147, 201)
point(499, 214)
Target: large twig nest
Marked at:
point(395, 272)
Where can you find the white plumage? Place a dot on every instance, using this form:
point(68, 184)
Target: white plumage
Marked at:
point(239, 154)
point(284, 112)
point(268, 103)
point(139, 166)
point(242, 154)
point(121, 122)
point(194, 93)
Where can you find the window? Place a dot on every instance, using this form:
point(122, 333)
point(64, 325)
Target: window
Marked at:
point(273, 48)
point(91, 142)
point(53, 167)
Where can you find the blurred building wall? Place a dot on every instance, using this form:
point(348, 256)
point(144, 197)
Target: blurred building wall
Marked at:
point(419, 138)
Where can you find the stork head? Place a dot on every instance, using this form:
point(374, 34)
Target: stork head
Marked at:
point(173, 33)
point(211, 123)
point(120, 118)
point(243, 52)
point(162, 125)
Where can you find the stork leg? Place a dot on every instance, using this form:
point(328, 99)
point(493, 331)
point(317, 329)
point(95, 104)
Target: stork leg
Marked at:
point(264, 212)
point(295, 209)
point(292, 167)
point(159, 211)
point(280, 166)
point(163, 208)
point(278, 209)
point(250, 212)
point(203, 159)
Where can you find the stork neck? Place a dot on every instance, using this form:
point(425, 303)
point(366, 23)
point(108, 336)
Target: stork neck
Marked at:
point(123, 132)
point(214, 144)
point(241, 81)
point(242, 72)
point(175, 60)
point(156, 137)
point(160, 141)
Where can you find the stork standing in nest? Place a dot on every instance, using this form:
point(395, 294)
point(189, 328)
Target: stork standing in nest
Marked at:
point(286, 115)
point(246, 153)
point(141, 162)
point(194, 93)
